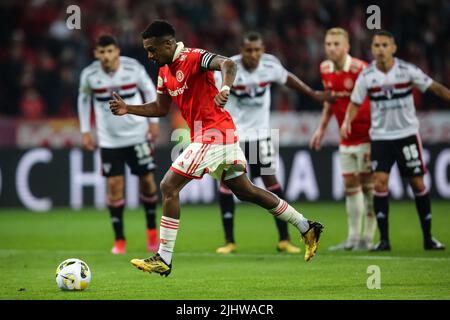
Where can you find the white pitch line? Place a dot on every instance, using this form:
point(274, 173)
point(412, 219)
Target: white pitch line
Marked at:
point(5, 252)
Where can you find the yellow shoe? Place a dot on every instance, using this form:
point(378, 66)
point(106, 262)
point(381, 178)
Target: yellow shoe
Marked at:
point(311, 239)
point(226, 249)
point(153, 264)
point(286, 246)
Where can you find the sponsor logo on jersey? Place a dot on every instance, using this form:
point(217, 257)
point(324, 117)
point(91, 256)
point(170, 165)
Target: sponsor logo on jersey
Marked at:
point(177, 91)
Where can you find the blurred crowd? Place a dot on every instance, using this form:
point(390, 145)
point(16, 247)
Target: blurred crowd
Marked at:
point(41, 59)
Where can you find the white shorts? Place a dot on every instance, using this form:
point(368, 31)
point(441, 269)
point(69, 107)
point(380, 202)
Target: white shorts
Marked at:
point(221, 161)
point(355, 159)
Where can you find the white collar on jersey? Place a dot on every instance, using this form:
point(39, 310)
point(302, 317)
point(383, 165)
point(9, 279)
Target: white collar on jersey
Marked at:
point(180, 46)
point(347, 63)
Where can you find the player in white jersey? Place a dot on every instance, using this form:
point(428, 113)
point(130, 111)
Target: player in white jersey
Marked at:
point(249, 106)
point(121, 139)
point(388, 82)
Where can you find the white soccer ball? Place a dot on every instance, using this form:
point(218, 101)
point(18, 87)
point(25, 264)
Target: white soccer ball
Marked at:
point(73, 274)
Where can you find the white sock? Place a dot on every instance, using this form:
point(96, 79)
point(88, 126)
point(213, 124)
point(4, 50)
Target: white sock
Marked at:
point(370, 223)
point(354, 202)
point(285, 212)
point(168, 230)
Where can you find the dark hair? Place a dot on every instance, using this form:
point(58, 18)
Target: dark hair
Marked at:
point(158, 29)
point(105, 40)
point(383, 33)
point(252, 36)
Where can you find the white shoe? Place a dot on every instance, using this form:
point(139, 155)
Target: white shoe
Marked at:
point(362, 245)
point(344, 245)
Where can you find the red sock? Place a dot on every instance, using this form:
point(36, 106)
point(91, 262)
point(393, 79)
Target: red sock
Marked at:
point(152, 236)
point(120, 244)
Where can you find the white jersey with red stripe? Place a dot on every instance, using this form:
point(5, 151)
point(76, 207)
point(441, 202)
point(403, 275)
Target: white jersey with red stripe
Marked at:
point(393, 114)
point(96, 87)
point(249, 100)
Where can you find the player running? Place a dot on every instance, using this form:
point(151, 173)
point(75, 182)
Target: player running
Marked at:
point(339, 74)
point(249, 106)
point(388, 82)
point(186, 77)
point(121, 140)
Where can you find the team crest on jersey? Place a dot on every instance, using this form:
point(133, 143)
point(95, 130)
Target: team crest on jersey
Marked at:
point(388, 90)
point(182, 57)
point(348, 83)
point(180, 75)
point(251, 89)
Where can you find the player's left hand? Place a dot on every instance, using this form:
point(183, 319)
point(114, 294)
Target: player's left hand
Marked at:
point(325, 96)
point(117, 106)
point(222, 98)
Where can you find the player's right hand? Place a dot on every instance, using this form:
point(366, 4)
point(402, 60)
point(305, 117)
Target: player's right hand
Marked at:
point(316, 140)
point(221, 98)
point(88, 141)
point(117, 106)
point(346, 130)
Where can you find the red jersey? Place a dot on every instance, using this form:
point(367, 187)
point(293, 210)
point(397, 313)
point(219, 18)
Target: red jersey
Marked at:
point(192, 87)
point(342, 83)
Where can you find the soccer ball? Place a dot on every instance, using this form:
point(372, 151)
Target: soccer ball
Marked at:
point(73, 274)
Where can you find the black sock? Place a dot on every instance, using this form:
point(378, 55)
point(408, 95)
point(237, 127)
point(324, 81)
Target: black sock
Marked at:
point(423, 206)
point(381, 208)
point(226, 202)
point(149, 202)
point(282, 226)
point(116, 212)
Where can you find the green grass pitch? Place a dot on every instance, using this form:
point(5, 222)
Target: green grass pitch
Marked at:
point(33, 244)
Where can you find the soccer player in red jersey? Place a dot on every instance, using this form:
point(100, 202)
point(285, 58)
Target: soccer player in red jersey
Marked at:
point(186, 77)
point(339, 74)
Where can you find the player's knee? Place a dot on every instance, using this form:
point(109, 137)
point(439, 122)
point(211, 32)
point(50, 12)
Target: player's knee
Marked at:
point(352, 182)
point(417, 184)
point(381, 186)
point(115, 188)
point(167, 189)
point(148, 185)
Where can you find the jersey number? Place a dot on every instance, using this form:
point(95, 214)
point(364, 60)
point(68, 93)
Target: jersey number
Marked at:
point(142, 150)
point(410, 152)
point(266, 151)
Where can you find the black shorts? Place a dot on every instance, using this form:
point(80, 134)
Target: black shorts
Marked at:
point(260, 155)
point(139, 158)
point(407, 152)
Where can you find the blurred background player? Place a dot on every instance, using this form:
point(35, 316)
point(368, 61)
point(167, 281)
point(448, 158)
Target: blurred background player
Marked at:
point(388, 82)
point(186, 77)
point(339, 74)
point(121, 139)
point(249, 106)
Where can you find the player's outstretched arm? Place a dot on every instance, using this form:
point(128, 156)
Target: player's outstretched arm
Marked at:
point(352, 111)
point(316, 139)
point(295, 83)
point(158, 108)
point(440, 90)
point(228, 69)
